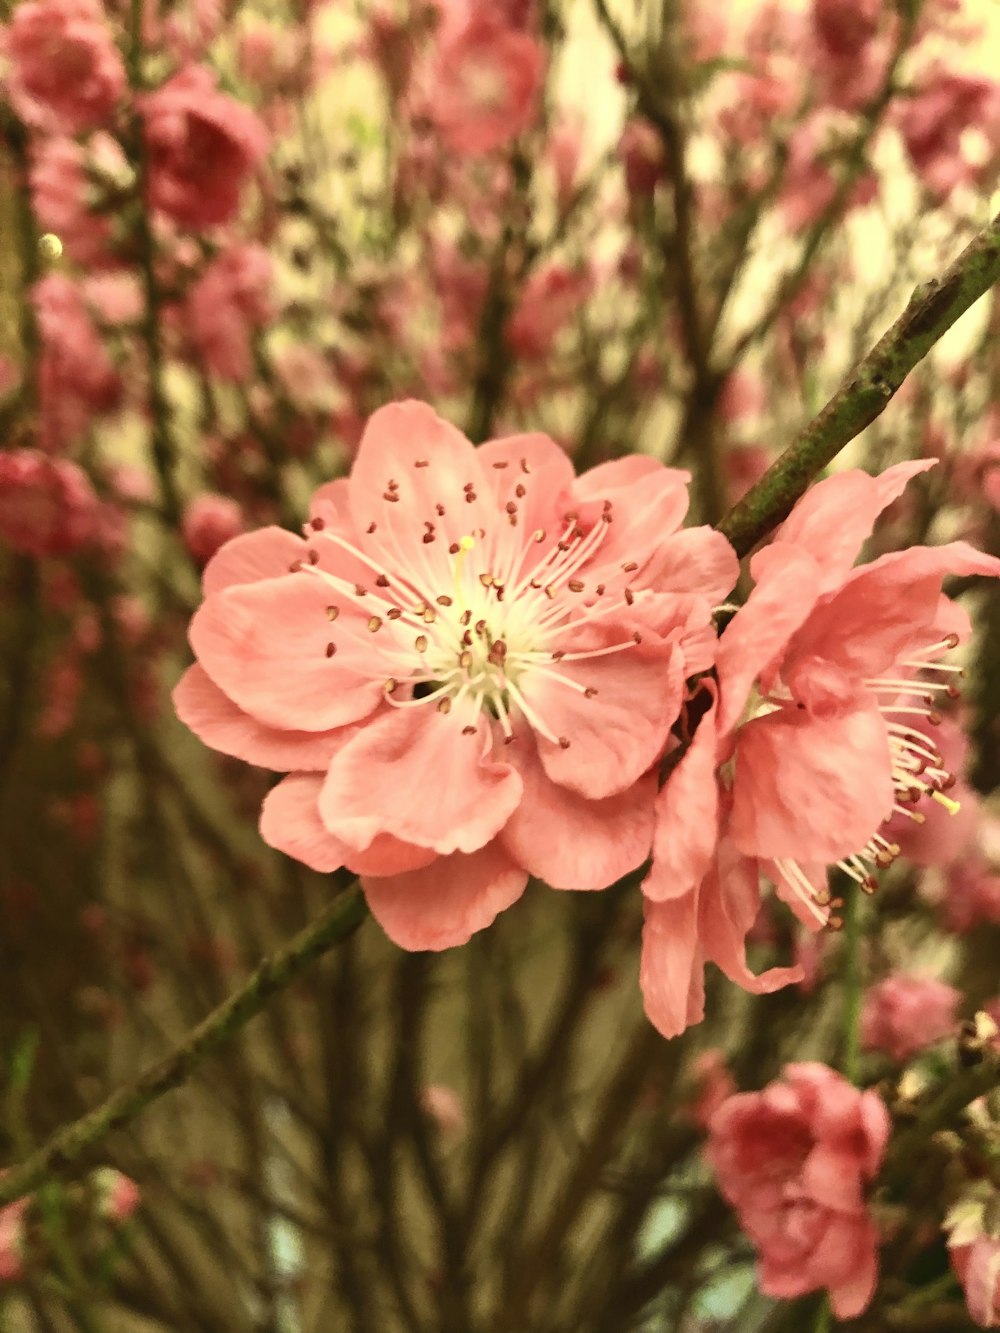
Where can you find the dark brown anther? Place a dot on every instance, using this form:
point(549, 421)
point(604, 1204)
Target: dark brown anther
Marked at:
point(469, 486)
point(382, 581)
point(520, 491)
point(499, 592)
point(562, 546)
point(629, 596)
point(317, 524)
point(295, 566)
point(511, 507)
point(313, 556)
point(439, 510)
point(454, 548)
point(360, 590)
point(599, 590)
point(524, 466)
point(428, 538)
point(480, 626)
point(636, 637)
point(630, 567)
point(443, 600)
point(393, 613)
point(465, 618)
point(590, 691)
point(564, 742)
point(331, 648)
point(370, 528)
point(575, 585)
point(501, 464)
point(421, 462)
point(391, 496)
point(467, 638)
point(468, 731)
point(559, 654)
point(470, 496)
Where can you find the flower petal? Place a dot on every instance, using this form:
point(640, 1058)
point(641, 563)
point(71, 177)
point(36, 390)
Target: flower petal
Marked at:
point(836, 516)
point(568, 841)
point(412, 773)
point(787, 588)
point(215, 719)
point(687, 818)
point(290, 822)
point(265, 645)
point(695, 560)
point(445, 903)
point(265, 554)
point(671, 969)
point(810, 789)
point(728, 908)
point(618, 733)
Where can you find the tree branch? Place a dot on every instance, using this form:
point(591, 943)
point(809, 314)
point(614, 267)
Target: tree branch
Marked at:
point(57, 1157)
point(932, 310)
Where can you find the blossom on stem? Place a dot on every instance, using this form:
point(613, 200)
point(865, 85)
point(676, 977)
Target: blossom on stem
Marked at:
point(471, 666)
point(820, 729)
point(904, 1014)
point(47, 505)
point(202, 147)
point(794, 1160)
point(66, 74)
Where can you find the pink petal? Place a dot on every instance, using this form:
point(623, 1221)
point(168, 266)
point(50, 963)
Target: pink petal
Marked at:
point(265, 645)
point(568, 841)
point(728, 908)
point(836, 516)
point(787, 587)
point(290, 822)
point(532, 473)
point(387, 855)
point(444, 904)
point(407, 451)
point(882, 608)
point(412, 773)
point(648, 504)
point(853, 1293)
point(264, 554)
point(696, 560)
point(617, 734)
point(809, 789)
point(982, 1281)
point(687, 818)
point(216, 720)
point(671, 966)
point(831, 1178)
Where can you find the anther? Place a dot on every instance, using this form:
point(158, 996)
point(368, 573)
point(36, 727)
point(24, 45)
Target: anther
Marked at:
point(313, 557)
point(375, 624)
point(951, 641)
point(468, 731)
point(454, 548)
point(630, 567)
point(590, 691)
point(393, 613)
point(637, 637)
point(524, 466)
point(480, 626)
point(629, 596)
point(428, 538)
point(429, 616)
point(559, 654)
point(465, 660)
point(439, 510)
point(470, 496)
point(486, 580)
point(390, 685)
point(538, 535)
point(295, 566)
point(443, 600)
point(550, 592)
point(331, 648)
point(575, 585)
point(444, 705)
point(370, 529)
point(869, 885)
point(465, 618)
point(519, 491)
point(391, 496)
point(599, 590)
point(332, 612)
point(421, 462)
point(510, 507)
point(382, 581)
point(421, 643)
point(360, 590)
point(564, 742)
point(317, 524)
point(501, 464)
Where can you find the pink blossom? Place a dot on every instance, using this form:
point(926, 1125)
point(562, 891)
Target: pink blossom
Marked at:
point(794, 1160)
point(59, 193)
point(47, 505)
point(904, 1014)
point(643, 157)
point(202, 146)
point(549, 300)
point(77, 379)
point(933, 121)
point(11, 1236)
point(818, 732)
point(208, 522)
point(231, 299)
point(118, 1195)
point(269, 56)
point(484, 83)
point(444, 1106)
point(845, 27)
point(471, 666)
point(974, 1249)
point(66, 74)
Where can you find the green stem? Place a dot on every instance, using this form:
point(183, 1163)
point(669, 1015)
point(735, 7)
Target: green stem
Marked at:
point(56, 1158)
point(852, 986)
point(932, 310)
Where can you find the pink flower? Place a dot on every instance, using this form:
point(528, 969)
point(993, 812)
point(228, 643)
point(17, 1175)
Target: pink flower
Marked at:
point(208, 522)
point(974, 1249)
point(231, 299)
point(118, 1195)
point(471, 667)
point(972, 895)
point(549, 300)
point(11, 1235)
point(484, 83)
point(202, 146)
point(819, 731)
point(845, 27)
point(47, 505)
point(643, 157)
point(933, 121)
point(794, 1161)
point(76, 377)
point(903, 1015)
point(66, 74)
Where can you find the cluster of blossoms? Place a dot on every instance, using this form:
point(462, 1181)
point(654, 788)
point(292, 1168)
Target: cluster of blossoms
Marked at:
point(473, 664)
point(795, 1161)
